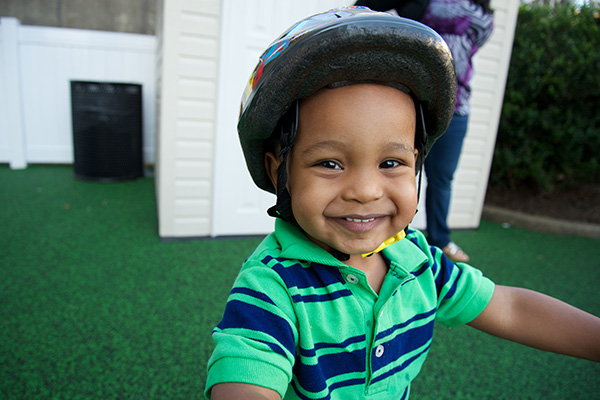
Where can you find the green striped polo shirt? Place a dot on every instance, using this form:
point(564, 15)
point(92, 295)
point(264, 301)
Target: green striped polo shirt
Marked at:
point(308, 326)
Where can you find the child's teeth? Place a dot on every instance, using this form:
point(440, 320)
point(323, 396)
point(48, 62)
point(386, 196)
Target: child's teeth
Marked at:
point(359, 220)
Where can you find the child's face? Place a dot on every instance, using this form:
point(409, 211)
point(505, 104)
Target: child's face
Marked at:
point(351, 171)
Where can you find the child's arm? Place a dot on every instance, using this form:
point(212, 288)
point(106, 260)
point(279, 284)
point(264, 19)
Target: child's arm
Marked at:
point(540, 321)
point(242, 391)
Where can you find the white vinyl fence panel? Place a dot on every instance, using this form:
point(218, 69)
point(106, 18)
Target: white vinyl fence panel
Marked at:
point(36, 67)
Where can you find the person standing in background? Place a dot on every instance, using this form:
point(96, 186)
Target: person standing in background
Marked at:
point(465, 25)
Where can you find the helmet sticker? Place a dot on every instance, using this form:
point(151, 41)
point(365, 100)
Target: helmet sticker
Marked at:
point(292, 34)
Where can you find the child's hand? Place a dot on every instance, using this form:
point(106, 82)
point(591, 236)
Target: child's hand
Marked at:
point(542, 322)
point(242, 391)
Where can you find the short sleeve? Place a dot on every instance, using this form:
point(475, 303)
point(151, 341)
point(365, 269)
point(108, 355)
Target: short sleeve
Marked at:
point(233, 366)
point(255, 340)
point(464, 295)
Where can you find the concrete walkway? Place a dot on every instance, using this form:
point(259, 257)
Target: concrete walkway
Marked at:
point(539, 223)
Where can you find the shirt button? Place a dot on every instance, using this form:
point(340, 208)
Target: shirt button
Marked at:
point(351, 278)
point(379, 351)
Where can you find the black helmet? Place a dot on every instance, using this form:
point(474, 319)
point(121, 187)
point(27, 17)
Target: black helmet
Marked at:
point(340, 47)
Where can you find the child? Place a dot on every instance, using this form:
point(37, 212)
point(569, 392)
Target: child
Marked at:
point(337, 303)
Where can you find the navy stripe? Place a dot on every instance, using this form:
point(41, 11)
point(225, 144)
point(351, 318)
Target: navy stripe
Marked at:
point(253, 293)
point(398, 368)
point(435, 267)
point(346, 383)
point(318, 346)
point(314, 377)
point(394, 328)
point(303, 397)
point(454, 286)
point(403, 344)
point(316, 276)
point(345, 343)
point(427, 265)
point(318, 298)
point(446, 267)
point(439, 271)
point(274, 346)
point(422, 270)
point(405, 394)
point(248, 316)
point(268, 259)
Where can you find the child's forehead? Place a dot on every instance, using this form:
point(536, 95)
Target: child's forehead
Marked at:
point(362, 102)
point(378, 112)
point(357, 93)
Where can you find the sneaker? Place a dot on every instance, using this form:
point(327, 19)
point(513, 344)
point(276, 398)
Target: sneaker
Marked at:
point(455, 253)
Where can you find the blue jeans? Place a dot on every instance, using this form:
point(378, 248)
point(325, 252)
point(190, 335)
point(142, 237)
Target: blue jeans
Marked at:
point(440, 164)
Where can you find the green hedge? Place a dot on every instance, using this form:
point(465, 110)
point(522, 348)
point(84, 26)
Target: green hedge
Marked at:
point(549, 133)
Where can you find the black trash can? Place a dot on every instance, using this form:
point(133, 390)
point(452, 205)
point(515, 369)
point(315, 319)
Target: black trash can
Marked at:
point(107, 130)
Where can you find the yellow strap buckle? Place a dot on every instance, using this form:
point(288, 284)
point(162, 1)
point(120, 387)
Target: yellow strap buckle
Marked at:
point(396, 238)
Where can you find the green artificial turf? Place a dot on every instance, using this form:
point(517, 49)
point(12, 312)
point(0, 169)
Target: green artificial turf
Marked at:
point(95, 306)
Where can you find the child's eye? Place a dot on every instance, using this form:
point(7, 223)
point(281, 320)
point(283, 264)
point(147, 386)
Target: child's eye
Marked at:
point(389, 164)
point(329, 164)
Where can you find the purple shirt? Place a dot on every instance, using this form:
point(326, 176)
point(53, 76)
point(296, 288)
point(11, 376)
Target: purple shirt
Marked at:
point(465, 27)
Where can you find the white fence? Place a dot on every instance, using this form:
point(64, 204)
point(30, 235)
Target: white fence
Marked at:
point(36, 67)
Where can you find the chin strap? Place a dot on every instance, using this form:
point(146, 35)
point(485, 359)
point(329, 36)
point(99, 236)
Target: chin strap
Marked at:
point(339, 255)
point(396, 238)
point(388, 242)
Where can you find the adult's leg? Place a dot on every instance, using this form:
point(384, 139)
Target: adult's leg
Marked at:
point(440, 165)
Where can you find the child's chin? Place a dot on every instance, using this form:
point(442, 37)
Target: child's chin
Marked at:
point(357, 251)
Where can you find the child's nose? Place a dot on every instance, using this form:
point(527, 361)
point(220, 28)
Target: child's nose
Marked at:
point(363, 186)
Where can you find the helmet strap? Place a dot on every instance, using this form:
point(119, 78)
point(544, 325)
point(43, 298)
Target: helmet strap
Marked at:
point(421, 139)
point(288, 128)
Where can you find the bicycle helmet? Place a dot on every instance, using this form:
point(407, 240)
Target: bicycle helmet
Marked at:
point(335, 48)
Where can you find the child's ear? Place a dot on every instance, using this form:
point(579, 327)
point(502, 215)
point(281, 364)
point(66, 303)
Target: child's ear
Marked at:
point(271, 164)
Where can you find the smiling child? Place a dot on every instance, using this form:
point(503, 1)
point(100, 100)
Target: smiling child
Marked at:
point(340, 301)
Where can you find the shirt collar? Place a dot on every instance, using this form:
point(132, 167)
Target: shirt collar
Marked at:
point(295, 245)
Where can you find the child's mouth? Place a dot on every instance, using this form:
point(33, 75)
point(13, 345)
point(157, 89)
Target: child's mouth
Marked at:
point(360, 224)
point(349, 219)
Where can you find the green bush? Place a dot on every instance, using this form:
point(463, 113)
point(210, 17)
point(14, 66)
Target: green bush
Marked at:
point(549, 133)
